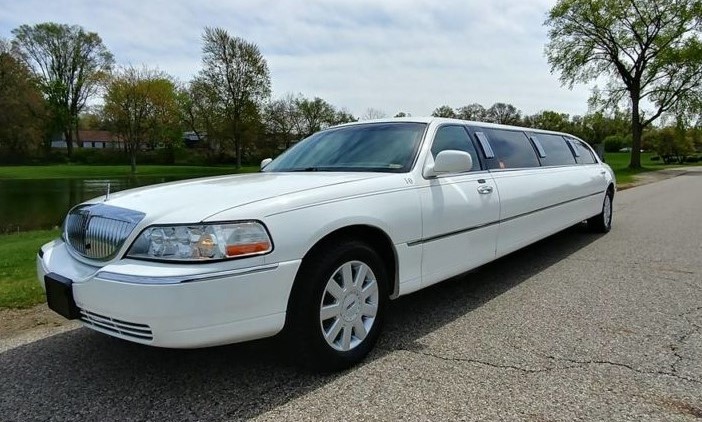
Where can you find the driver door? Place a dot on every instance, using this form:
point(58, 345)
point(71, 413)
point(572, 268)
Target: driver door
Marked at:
point(460, 213)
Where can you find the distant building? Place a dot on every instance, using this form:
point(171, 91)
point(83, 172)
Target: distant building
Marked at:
point(195, 139)
point(98, 139)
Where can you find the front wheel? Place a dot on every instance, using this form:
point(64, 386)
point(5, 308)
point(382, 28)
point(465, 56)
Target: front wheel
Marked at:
point(602, 222)
point(337, 308)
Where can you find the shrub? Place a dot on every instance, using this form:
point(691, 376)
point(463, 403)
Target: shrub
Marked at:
point(98, 156)
point(613, 143)
point(672, 145)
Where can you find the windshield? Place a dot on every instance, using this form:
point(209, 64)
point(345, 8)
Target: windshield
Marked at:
point(385, 147)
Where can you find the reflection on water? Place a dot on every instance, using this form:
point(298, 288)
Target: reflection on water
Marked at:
point(42, 204)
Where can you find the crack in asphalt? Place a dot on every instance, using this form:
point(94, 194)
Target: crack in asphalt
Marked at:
point(626, 366)
point(481, 362)
point(657, 265)
point(683, 338)
point(577, 364)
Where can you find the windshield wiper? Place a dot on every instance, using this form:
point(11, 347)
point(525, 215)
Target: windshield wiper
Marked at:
point(306, 169)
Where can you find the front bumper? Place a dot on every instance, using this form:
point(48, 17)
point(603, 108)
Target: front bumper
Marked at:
point(201, 310)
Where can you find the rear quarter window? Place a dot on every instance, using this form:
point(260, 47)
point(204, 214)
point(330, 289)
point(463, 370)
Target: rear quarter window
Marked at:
point(583, 153)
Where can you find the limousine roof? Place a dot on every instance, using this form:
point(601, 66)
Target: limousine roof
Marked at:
point(440, 120)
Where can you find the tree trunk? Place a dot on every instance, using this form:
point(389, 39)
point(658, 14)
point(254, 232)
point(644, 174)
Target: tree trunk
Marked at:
point(132, 161)
point(68, 136)
point(636, 132)
point(238, 152)
point(78, 141)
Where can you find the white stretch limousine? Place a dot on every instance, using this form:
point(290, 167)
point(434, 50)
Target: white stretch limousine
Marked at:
point(316, 244)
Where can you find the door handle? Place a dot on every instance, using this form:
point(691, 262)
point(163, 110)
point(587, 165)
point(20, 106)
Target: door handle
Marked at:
point(603, 172)
point(484, 189)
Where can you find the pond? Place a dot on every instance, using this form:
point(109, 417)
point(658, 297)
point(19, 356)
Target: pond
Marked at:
point(42, 204)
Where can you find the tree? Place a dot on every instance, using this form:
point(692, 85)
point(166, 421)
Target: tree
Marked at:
point(92, 119)
point(202, 113)
point(343, 116)
point(141, 107)
point(672, 144)
point(373, 113)
point(316, 114)
point(403, 114)
point(550, 120)
point(292, 118)
point(475, 112)
point(71, 64)
point(22, 110)
point(283, 119)
point(595, 127)
point(444, 111)
point(649, 51)
point(236, 75)
point(505, 114)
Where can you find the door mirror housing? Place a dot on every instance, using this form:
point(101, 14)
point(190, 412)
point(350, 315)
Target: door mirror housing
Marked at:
point(449, 161)
point(265, 162)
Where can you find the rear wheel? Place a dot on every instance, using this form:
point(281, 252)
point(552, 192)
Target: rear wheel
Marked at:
point(602, 222)
point(336, 312)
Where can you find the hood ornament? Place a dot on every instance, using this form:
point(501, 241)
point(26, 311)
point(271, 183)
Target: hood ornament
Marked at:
point(107, 194)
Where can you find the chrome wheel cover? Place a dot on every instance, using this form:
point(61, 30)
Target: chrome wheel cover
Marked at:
point(349, 305)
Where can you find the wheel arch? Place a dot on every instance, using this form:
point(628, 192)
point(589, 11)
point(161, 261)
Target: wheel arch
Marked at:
point(375, 237)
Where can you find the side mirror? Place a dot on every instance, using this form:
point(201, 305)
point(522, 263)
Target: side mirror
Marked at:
point(265, 162)
point(449, 161)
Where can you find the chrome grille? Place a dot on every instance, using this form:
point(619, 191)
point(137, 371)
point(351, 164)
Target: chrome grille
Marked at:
point(98, 231)
point(116, 326)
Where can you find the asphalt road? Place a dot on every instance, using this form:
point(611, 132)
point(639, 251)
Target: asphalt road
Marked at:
point(576, 327)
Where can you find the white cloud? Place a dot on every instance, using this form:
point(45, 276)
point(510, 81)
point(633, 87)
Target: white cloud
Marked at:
point(394, 55)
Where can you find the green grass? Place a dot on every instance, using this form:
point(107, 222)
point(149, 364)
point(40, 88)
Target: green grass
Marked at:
point(19, 287)
point(619, 161)
point(61, 171)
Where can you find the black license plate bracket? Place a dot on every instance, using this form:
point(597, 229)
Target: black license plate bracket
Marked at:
point(59, 296)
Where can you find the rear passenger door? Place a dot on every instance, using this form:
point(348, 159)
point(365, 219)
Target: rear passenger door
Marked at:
point(522, 186)
point(460, 212)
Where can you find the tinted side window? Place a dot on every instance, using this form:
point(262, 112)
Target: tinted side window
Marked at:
point(584, 154)
point(557, 151)
point(456, 138)
point(512, 149)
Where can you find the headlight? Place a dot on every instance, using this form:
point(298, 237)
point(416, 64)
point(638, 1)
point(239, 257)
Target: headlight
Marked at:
point(201, 242)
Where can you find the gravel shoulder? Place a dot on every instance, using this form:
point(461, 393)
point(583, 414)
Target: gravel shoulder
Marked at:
point(21, 326)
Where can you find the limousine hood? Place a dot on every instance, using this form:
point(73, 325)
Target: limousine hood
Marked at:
point(197, 199)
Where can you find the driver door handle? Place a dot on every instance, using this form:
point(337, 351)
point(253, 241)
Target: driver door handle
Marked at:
point(484, 189)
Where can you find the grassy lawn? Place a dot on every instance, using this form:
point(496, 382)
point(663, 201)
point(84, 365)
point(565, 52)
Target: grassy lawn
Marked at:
point(61, 171)
point(19, 287)
point(619, 161)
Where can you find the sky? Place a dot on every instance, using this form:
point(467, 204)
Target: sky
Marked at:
point(389, 55)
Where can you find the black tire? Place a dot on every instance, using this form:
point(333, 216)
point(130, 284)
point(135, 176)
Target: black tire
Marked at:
point(602, 222)
point(304, 325)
